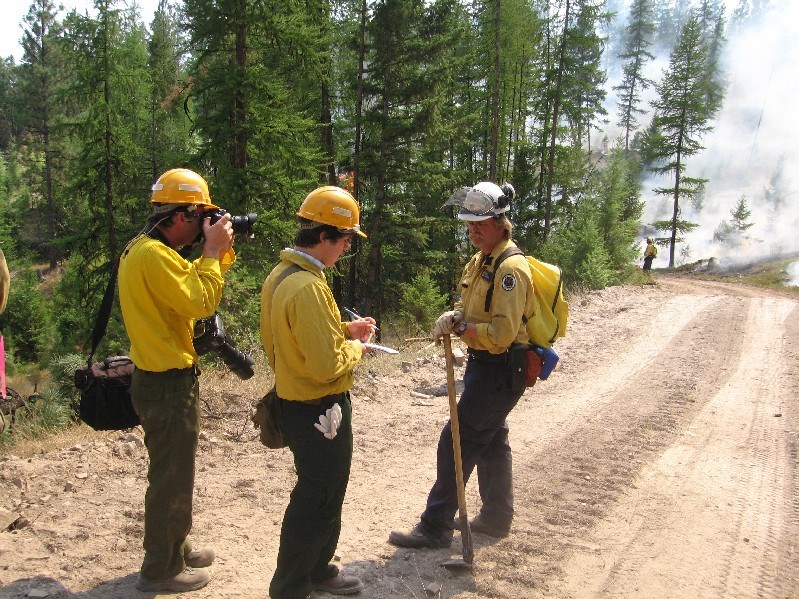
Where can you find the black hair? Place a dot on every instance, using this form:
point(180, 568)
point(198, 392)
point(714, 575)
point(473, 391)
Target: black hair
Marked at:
point(310, 236)
point(165, 218)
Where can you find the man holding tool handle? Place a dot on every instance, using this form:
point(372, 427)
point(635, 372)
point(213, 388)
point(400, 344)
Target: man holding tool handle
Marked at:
point(494, 379)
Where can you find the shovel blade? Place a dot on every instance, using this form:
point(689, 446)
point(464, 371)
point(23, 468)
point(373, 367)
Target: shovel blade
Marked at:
point(457, 563)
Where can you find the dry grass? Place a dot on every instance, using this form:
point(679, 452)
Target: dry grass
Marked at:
point(68, 437)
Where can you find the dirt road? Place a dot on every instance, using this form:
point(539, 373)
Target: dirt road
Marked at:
point(658, 461)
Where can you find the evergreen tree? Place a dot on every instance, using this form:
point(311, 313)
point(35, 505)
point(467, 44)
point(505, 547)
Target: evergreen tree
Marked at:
point(617, 196)
point(405, 138)
point(740, 16)
point(687, 101)
point(776, 192)
point(9, 129)
point(255, 93)
point(584, 92)
point(169, 125)
point(712, 21)
point(573, 63)
point(38, 89)
point(636, 54)
point(733, 232)
point(108, 124)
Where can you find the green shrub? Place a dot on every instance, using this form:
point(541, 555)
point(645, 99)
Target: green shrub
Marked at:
point(26, 321)
point(62, 377)
point(421, 303)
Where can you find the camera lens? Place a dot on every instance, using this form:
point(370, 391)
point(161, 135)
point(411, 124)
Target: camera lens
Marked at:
point(239, 363)
point(242, 225)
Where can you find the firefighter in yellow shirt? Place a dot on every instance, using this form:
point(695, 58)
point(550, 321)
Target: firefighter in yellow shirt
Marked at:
point(161, 294)
point(496, 336)
point(313, 354)
point(650, 253)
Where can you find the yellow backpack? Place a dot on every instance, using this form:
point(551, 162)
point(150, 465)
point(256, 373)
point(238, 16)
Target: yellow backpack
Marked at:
point(550, 318)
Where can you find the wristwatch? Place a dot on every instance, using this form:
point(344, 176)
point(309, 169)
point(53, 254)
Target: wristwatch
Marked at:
point(460, 328)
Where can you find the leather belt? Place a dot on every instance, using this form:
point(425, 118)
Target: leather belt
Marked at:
point(325, 399)
point(482, 355)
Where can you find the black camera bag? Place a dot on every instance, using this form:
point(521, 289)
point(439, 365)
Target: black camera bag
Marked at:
point(105, 394)
point(105, 403)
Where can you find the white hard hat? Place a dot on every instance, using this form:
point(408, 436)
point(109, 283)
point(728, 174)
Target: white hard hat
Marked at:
point(483, 201)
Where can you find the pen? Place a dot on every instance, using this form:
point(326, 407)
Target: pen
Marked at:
point(353, 315)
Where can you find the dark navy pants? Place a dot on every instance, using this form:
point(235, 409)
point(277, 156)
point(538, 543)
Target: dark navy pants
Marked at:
point(491, 390)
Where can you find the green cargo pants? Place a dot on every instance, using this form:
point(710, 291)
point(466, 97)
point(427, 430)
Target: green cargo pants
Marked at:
point(168, 406)
point(312, 522)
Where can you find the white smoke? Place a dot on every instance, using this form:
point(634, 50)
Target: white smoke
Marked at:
point(754, 138)
point(793, 274)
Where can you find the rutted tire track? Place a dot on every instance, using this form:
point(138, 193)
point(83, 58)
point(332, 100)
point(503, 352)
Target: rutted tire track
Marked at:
point(717, 511)
point(566, 486)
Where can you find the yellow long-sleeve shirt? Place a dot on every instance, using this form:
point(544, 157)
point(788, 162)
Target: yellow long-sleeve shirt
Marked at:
point(303, 335)
point(513, 297)
point(161, 294)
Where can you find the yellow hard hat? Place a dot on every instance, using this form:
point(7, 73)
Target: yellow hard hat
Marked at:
point(331, 205)
point(182, 186)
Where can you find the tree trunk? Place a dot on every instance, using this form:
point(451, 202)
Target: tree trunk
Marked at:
point(108, 179)
point(554, 130)
point(492, 159)
point(356, 175)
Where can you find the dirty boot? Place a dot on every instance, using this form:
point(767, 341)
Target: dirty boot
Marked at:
point(417, 537)
point(188, 580)
point(340, 585)
point(199, 558)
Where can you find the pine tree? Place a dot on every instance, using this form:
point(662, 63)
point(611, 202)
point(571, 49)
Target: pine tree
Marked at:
point(636, 54)
point(687, 101)
point(169, 125)
point(38, 87)
point(584, 92)
point(106, 120)
point(406, 138)
point(733, 232)
point(256, 99)
point(9, 128)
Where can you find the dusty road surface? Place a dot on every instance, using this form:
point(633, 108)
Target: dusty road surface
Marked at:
point(659, 461)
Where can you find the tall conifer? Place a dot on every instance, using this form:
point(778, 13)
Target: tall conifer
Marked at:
point(687, 101)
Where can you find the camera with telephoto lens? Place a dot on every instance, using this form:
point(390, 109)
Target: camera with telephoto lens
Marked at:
point(210, 336)
point(242, 225)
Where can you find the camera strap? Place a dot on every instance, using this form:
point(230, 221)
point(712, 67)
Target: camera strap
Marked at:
point(104, 313)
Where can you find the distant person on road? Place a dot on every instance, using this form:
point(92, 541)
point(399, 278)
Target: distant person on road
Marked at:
point(650, 253)
point(161, 294)
point(496, 336)
point(313, 354)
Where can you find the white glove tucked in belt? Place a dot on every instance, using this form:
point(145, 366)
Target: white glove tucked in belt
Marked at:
point(329, 421)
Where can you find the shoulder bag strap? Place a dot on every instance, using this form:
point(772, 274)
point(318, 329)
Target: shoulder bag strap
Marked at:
point(104, 313)
point(511, 251)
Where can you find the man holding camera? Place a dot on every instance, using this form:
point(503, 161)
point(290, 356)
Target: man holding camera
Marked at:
point(161, 294)
point(313, 354)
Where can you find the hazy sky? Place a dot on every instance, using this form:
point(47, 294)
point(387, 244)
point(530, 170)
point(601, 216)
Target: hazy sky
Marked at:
point(15, 10)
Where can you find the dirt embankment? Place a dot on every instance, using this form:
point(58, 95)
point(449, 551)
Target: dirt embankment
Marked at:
point(659, 460)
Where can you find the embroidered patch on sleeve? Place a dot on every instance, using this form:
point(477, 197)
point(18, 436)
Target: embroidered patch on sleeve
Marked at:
point(508, 282)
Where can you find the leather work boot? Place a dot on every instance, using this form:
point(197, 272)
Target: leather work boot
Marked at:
point(416, 537)
point(477, 524)
point(340, 585)
point(188, 580)
point(199, 558)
